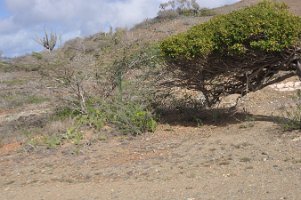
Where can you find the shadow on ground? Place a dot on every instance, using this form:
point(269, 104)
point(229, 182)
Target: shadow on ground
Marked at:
point(217, 117)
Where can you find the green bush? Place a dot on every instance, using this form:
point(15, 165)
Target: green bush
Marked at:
point(235, 53)
point(66, 112)
point(206, 12)
point(267, 26)
point(128, 117)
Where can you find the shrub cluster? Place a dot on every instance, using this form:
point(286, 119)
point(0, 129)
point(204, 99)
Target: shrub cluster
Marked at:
point(117, 96)
point(175, 8)
point(127, 117)
point(227, 52)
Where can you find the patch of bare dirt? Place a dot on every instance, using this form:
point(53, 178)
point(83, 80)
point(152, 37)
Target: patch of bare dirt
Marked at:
point(235, 158)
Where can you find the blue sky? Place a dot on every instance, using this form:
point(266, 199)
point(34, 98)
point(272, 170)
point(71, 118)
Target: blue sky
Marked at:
point(21, 21)
point(3, 11)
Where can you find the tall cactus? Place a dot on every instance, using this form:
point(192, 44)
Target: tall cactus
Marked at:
point(48, 42)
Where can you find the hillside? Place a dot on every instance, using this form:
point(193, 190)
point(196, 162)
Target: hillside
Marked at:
point(246, 152)
point(293, 4)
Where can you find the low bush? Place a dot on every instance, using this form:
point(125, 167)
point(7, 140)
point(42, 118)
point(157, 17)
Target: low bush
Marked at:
point(127, 117)
point(167, 14)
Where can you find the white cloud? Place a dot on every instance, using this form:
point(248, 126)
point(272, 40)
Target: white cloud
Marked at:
point(72, 18)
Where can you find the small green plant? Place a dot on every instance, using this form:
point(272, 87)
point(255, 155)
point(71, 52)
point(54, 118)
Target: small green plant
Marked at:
point(74, 135)
point(95, 117)
point(53, 141)
point(130, 118)
point(65, 113)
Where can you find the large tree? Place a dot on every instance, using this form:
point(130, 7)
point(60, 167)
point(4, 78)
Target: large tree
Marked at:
point(237, 53)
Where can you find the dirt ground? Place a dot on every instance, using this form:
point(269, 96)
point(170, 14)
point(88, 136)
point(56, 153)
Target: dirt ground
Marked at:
point(229, 156)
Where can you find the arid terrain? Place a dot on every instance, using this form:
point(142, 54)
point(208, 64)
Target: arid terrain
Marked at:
point(220, 154)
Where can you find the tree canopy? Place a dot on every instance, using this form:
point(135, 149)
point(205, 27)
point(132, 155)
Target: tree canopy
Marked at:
point(236, 53)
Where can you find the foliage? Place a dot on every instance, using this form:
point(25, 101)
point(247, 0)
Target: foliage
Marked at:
point(130, 118)
point(102, 90)
point(206, 12)
point(65, 113)
point(235, 53)
point(125, 105)
point(127, 117)
point(167, 14)
point(268, 27)
point(174, 8)
point(53, 141)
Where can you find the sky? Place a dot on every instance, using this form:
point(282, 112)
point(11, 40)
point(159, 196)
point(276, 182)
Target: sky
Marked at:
point(21, 21)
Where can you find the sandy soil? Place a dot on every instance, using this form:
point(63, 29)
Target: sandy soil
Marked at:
point(232, 159)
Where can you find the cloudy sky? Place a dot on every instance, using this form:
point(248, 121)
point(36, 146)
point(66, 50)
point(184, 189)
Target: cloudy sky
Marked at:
point(23, 20)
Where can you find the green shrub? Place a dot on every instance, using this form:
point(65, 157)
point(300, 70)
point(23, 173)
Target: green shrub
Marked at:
point(53, 141)
point(267, 27)
point(206, 12)
point(95, 117)
point(130, 118)
point(65, 112)
point(167, 14)
point(73, 135)
point(235, 53)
